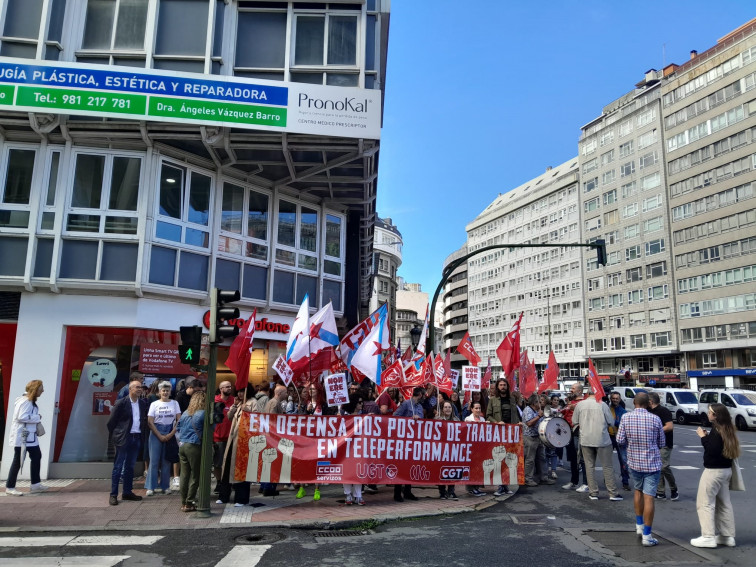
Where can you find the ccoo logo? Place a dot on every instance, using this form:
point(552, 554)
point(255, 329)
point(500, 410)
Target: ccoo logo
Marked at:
point(419, 473)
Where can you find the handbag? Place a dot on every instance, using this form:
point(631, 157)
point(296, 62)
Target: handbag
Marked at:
point(40, 430)
point(736, 480)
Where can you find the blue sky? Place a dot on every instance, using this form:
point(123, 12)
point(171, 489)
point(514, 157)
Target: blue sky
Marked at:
point(482, 96)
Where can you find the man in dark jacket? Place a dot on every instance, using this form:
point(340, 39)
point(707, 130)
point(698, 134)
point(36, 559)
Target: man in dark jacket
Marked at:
point(127, 421)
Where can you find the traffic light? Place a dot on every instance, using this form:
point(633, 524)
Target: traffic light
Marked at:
point(600, 246)
point(219, 313)
point(191, 345)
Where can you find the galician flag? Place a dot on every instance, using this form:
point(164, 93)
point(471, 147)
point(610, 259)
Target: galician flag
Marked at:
point(367, 357)
point(300, 328)
point(322, 334)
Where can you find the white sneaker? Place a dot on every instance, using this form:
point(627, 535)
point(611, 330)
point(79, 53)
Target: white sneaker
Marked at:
point(639, 529)
point(570, 486)
point(649, 541)
point(167, 491)
point(150, 493)
point(582, 488)
point(13, 492)
point(39, 487)
point(704, 541)
point(553, 475)
point(175, 482)
point(726, 540)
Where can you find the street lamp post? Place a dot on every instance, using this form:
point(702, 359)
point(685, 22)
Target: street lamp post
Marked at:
point(415, 333)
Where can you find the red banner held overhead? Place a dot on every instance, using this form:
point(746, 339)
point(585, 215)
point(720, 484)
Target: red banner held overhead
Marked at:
point(376, 449)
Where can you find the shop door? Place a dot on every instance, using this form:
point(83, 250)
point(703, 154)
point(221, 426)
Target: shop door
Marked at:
point(7, 346)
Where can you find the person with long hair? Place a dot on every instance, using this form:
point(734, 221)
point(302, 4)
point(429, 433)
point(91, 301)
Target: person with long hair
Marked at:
point(353, 492)
point(502, 409)
point(23, 435)
point(446, 412)
point(316, 405)
point(162, 418)
point(190, 429)
point(476, 416)
point(713, 504)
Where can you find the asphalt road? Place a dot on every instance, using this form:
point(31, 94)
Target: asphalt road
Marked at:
point(543, 526)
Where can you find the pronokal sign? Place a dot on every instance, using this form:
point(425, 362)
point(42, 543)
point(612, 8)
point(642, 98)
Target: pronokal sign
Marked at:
point(166, 96)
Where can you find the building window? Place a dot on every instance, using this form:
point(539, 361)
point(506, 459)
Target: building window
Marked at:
point(627, 169)
point(634, 274)
point(591, 204)
point(632, 231)
point(655, 247)
point(181, 35)
point(638, 341)
point(656, 270)
point(708, 359)
point(635, 296)
point(632, 253)
point(16, 173)
point(22, 33)
point(651, 203)
point(114, 31)
point(184, 206)
point(658, 292)
point(261, 44)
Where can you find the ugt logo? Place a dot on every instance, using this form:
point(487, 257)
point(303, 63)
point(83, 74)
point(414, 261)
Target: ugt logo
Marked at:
point(419, 473)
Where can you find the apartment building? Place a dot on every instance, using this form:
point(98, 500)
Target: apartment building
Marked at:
point(708, 108)
point(454, 301)
point(544, 283)
point(387, 257)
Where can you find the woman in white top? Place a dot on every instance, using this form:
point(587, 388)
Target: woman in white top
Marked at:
point(23, 434)
point(162, 419)
point(476, 416)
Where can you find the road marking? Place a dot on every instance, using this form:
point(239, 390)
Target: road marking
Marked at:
point(685, 468)
point(696, 452)
point(751, 450)
point(59, 541)
point(242, 556)
point(76, 561)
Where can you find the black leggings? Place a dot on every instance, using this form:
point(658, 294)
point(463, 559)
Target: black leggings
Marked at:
point(35, 456)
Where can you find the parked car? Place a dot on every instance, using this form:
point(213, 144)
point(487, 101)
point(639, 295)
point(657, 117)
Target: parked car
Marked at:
point(627, 393)
point(681, 402)
point(740, 403)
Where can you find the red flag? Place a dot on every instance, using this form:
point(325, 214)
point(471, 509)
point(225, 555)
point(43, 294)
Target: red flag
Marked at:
point(528, 375)
point(392, 377)
point(595, 382)
point(521, 372)
point(486, 382)
point(427, 370)
point(550, 375)
point(240, 352)
point(307, 369)
point(406, 356)
point(465, 348)
point(447, 364)
point(413, 375)
point(508, 352)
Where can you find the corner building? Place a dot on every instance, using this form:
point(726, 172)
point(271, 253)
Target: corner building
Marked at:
point(709, 114)
point(153, 149)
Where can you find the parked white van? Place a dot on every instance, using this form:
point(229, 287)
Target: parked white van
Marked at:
point(628, 393)
point(681, 402)
point(740, 403)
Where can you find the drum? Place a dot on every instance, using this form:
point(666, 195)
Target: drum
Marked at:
point(554, 432)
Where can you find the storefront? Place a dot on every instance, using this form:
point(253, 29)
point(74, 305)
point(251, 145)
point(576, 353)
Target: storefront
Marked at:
point(744, 378)
point(663, 380)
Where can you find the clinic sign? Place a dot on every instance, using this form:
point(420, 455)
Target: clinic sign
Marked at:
point(167, 96)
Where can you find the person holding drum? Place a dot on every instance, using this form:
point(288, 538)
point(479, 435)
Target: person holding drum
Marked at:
point(502, 409)
point(533, 448)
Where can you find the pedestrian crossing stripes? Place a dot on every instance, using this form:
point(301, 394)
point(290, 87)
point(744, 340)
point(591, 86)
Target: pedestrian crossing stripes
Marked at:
point(60, 541)
point(73, 561)
point(684, 468)
point(243, 556)
point(694, 452)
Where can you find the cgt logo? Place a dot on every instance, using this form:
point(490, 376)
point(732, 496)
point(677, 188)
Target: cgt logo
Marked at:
point(455, 473)
point(326, 468)
point(419, 473)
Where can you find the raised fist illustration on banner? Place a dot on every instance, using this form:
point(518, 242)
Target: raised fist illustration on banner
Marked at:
point(488, 467)
point(268, 456)
point(511, 462)
point(498, 453)
point(256, 444)
point(286, 446)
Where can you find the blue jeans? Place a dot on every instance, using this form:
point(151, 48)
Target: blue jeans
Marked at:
point(125, 459)
point(158, 462)
point(622, 456)
point(646, 482)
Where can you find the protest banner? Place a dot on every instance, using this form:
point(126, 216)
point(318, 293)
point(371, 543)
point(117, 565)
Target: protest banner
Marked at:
point(470, 379)
point(283, 369)
point(454, 377)
point(336, 389)
point(376, 449)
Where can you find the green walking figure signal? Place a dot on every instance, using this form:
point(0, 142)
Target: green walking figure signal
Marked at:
point(191, 344)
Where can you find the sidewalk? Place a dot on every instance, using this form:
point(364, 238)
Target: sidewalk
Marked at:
point(83, 505)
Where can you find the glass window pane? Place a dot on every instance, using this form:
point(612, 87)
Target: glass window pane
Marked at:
point(257, 221)
point(19, 177)
point(307, 285)
point(182, 27)
point(283, 287)
point(255, 282)
point(168, 231)
point(43, 259)
point(22, 18)
point(199, 199)
point(257, 251)
point(193, 271)
point(162, 265)
point(342, 79)
point(87, 188)
point(14, 219)
point(83, 223)
point(370, 44)
point(124, 183)
point(197, 237)
point(52, 181)
point(171, 191)
point(333, 236)
point(232, 210)
point(332, 268)
point(57, 14)
point(230, 245)
point(48, 221)
point(261, 39)
point(79, 259)
point(342, 40)
point(308, 230)
point(20, 50)
point(309, 44)
point(227, 274)
point(197, 66)
point(308, 262)
point(119, 261)
point(287, 221)
point(220, 10)
point(309, 78)
point(98, 24)
point(121, 225)
point(132, 17)
point(13, 253)
point(285, 257)
point(332, 292)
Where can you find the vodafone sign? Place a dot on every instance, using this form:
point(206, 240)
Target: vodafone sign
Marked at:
point(270, 327)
